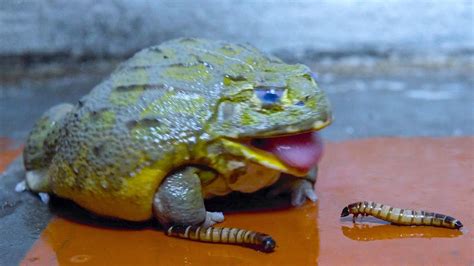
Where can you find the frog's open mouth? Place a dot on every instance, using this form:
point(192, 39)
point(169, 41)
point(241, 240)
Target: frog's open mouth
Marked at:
point(300, 152)
point(294, 154)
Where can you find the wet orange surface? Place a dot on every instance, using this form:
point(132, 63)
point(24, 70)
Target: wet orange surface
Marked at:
point(8, 152)
point(418, 173)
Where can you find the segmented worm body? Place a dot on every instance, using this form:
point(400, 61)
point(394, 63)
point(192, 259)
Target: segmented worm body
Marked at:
point(400, 216)
point(236, 236)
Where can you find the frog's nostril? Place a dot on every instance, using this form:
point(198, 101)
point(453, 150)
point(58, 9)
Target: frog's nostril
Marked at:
point(258, 143)
point(300, 103)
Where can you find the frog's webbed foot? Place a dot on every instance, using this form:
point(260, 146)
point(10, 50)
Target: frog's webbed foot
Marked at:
point(35, 181)
point(299, 188)
point(179, 201)
point(44, 197)
point(21, 186)
point(213, 218)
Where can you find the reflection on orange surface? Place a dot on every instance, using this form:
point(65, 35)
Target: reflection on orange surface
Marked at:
point(365, 232)
point(418, 173)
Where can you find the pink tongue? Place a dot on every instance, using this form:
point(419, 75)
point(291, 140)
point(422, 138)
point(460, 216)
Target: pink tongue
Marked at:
point(302, 151)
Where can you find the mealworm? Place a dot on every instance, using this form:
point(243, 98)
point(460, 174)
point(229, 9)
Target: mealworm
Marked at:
point(236, 236)
point(400, 216)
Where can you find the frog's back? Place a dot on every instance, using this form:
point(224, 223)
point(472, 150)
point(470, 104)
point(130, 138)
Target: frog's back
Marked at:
point(118, 143)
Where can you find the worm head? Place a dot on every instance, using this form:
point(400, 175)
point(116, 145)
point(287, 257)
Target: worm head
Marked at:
point(268, 244)
point(454, 222)
point(345, 212)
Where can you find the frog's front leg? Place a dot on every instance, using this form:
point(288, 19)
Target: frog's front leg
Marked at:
point(179, 201)
point(179, 206)
point(299, 188)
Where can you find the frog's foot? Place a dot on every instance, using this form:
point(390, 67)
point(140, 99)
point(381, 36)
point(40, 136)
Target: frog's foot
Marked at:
point(44, 197)
point(213, 218)
point(300, 190)
point(21, 186)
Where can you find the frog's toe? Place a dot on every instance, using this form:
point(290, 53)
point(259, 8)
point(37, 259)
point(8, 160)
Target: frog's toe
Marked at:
point(302, 190)
point(213, 218)
point(299, 189)
point(44, 197)
point(20, 186)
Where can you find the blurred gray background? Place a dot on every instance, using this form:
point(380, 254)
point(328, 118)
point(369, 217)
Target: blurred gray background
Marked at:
point(390, 68)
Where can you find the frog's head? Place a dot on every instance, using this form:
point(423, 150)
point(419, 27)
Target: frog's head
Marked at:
point(270, 116)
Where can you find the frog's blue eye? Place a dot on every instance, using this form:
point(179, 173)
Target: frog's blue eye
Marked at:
point(268, 96)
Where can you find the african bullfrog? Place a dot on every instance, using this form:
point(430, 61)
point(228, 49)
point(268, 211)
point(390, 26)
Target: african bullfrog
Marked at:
point(178, 123)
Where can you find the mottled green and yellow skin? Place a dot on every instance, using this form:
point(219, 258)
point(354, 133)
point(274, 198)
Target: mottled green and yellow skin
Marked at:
point(400, 216)
point(184, 102)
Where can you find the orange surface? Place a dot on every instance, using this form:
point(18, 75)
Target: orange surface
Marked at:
point(418, 173)
point(8, 152)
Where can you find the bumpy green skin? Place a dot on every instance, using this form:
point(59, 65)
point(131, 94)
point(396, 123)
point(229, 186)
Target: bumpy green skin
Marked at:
point(167, 107)
point(40, 143)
